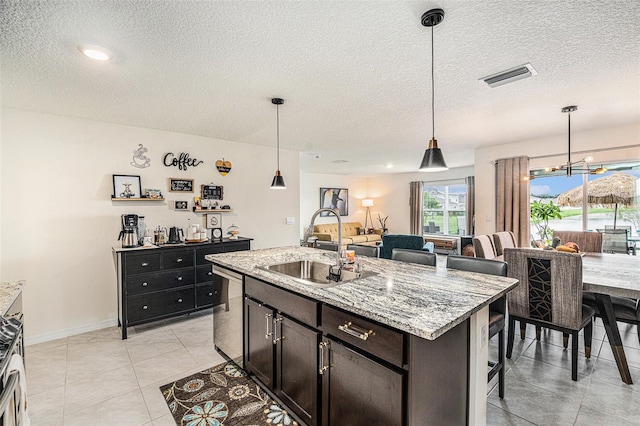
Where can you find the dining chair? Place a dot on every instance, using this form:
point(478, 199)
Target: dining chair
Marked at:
point(484, 247)
point(497, 308)
point(502, 240)
point(326, 245)
point(414, 256)
point(549, 295)
point(615, 241)
point(362, 250)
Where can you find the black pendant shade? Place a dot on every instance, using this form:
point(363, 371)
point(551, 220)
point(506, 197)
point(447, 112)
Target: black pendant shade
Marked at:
point(433, 160)
point(278, 180)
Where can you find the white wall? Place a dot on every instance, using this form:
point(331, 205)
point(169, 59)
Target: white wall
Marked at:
point(59, 222)
point(622, 136)
point(310, 184)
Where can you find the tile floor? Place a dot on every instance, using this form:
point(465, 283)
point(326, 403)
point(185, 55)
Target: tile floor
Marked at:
point(98, 379)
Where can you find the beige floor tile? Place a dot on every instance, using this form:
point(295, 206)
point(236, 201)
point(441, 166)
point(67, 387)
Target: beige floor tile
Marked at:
point(97, 388)
point(128, 409)
point(106, 334)
point(46, 346)
point(164, 366)
point(166, 420)
point(150, 344)
point(45, 408)
point(205, 354)
point(46, 369)
point(88, 359)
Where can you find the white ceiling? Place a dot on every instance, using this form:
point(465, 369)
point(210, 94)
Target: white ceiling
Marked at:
point(355, 75)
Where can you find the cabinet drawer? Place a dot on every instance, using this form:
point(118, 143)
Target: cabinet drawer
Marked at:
point(237, 246)
point(201, 252)
point(147, 283)
point(177, 259)
point(148, 306)
point(204, 274)
point(377, 339)
point(208, 294)
point(294, 306)
point(137, 264)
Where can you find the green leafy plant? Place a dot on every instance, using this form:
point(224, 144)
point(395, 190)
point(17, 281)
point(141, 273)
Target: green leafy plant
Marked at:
point(383, 221)
point(541, 213)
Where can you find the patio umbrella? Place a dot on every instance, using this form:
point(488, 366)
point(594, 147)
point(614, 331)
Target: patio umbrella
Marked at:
point(617, 188)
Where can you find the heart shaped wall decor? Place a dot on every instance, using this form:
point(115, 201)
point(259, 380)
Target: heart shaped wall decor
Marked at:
point(223, 166)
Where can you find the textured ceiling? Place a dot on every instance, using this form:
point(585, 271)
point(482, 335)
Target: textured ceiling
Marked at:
point(355, 76)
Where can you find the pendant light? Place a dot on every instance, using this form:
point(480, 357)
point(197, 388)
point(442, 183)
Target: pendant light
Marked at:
point(278, 180)
point(433, 160)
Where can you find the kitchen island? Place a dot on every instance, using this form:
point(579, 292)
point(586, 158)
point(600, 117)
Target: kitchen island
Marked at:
point(407, 345)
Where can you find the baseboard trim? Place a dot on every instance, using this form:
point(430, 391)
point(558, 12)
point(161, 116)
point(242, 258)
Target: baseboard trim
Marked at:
point(46, 337)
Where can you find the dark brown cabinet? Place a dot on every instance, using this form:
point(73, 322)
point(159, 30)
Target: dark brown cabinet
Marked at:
point(163, 282)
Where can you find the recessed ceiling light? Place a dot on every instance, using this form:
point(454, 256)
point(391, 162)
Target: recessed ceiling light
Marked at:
point(98, 53)
point(389, 166)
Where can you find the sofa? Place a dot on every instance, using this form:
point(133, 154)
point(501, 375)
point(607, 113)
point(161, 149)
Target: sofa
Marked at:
point(329, 232)
point(402, 241)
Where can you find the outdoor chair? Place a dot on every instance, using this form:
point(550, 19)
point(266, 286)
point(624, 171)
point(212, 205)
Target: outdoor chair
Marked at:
point(414, 256)
point(502, 240)
point(497, 308)
point(549, 295)
point(616, 241)
point(483, 246)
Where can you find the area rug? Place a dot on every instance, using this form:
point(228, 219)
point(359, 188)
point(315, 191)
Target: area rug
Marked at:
point(222, 395)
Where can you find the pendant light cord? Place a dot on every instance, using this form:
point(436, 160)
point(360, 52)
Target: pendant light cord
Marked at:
point(569, 139)
point(278, 133)
point(433, 110)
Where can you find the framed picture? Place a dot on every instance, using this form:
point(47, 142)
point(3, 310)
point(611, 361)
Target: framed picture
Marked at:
point(126, 186)
point(153, 193)
point(180, 185)
point(334, 198)
point(181, 205)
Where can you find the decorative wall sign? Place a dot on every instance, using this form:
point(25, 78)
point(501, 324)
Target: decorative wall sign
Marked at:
point(153, 193)
point(140, 160)
point(126, 186)
point(181, 205)
point(212, 192)
point(214, 220)
point(223, 166)
point(180, 185)
point(182, 161)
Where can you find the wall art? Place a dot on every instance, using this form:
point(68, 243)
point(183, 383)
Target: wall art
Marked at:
point(334, 198)
point(140, 160)
point(182, 161)
point(126, 186)
point(181, 205)
point(223, 166)
point(180, 185)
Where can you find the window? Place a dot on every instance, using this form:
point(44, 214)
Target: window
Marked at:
point(444, 209)
point(548, 187)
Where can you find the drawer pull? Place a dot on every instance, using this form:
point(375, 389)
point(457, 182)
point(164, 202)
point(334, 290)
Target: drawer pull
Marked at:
point(144, 264)
point(209, 273)
point(179, 300)
point(145, 284)
point(179, 260)
point(268, 332)
point(275, 331)
point(356, 331)
point(210, 294)
point(179, 278)
point(323, 367)
point(145, 307)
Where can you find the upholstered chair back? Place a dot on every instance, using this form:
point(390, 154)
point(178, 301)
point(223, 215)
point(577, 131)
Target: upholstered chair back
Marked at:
point(483, 245)
point(502, 240)
point(414, 256)
point(588, 242)
point(362, 250)
point(391, 241)
point(550, 288)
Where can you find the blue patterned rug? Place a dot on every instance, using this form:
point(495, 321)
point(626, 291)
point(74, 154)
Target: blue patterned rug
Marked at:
point(222, 395)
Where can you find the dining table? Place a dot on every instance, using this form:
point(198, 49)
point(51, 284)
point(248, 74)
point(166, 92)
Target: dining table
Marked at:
point(607, 275)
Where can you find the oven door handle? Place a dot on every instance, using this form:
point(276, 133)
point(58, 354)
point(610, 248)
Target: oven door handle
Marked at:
point(9, 388)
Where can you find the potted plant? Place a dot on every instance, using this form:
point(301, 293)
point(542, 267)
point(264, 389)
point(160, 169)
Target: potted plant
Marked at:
point(383, 223)
point(541, 213)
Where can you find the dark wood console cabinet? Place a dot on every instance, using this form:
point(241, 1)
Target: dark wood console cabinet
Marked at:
point(163, 282)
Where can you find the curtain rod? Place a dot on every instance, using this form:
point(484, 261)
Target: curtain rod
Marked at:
point(575, 152)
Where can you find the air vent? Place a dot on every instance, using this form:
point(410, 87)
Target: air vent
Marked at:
point(510, 75)
point(339, 161)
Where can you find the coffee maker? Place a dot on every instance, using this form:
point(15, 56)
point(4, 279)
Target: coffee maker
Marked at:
point(129, 231)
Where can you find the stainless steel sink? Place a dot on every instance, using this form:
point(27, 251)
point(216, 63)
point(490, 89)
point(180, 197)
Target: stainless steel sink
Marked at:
point(315, 273)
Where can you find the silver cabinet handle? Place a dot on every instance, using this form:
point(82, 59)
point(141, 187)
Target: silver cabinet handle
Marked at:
point(268, 333)
point(179, 300)
point(210, 294)
point(356, 331)
point(144, 264)
point(179, 260)
point(179, 278)
point(275, 331)
point(145, 307)
point(145, 284)
point(323, 367)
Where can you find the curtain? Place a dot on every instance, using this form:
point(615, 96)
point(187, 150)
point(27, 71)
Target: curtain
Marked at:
point(415, 208)
point(470, 183)
point(512, 198)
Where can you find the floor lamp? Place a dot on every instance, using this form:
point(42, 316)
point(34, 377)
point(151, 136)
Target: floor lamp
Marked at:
point(367, 217)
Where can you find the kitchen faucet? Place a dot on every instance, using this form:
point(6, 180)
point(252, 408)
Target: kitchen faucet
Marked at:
point(332, 275)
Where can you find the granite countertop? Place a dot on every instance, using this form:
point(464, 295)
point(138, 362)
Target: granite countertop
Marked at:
point(8, 293)
point(422, 300)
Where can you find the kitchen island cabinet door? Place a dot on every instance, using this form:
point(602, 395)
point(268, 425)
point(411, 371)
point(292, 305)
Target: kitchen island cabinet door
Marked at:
point(297, 379)
point(359, 391)
point(258, 341)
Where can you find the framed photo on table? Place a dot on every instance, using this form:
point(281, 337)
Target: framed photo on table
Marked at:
point(126, 186)
point(334, 198)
